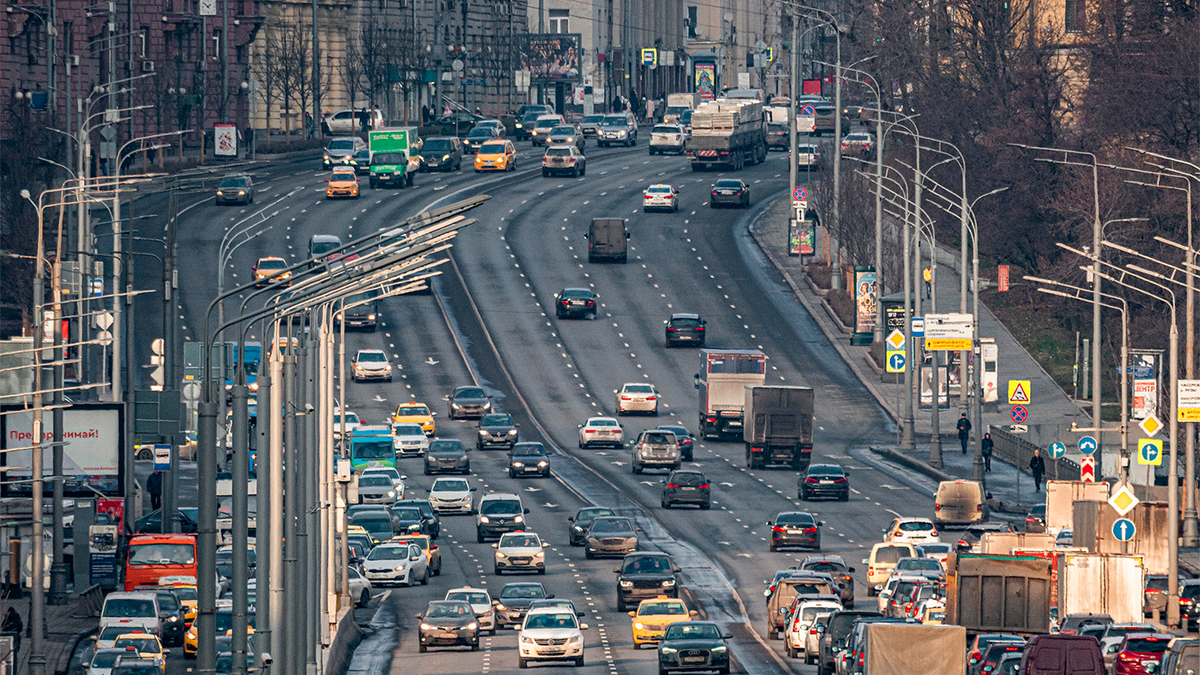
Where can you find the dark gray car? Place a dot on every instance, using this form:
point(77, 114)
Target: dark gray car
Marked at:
point(645, 575)
point(469, 401)
point(528, 459)
point(610, 536)
point(235, 190)
point(443, 153)
point(430, 523)
point(407, 520)
point(514, 601)
point(685, 329)
point(686, 487)
point(730, 191)
point(582, 520)
point(448, 623)
point(447, 456)
point(496, 430)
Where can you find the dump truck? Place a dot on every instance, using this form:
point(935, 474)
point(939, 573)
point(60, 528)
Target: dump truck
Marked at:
point(721, 384)
point(394, 156)
point(729, 133)
point(914, 649)
point(778, 428)
point(999, 593)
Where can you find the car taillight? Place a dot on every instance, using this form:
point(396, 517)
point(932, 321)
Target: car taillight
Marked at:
point(811, 479)
point(670, 328)
point(649, 197)
point(565, 303)
point(870, 570)
point(979, 508)
point(861, 658)
point(589, 431)
point(572, 160)
point(810, 530)
point(812, 631)
point(1030, 519)
point(839, 480)
point(672, 485)
point(963, 542)
point(934, 533)
point(937, 507)
point(710, 420)
point(677, 137)
point(714, 192)
point(544, 160)
point(704, 487)
point(590, 303)
point(739, 192)
point(777, 528)
point(626, 398)
point(651, 398)
point(699, 327)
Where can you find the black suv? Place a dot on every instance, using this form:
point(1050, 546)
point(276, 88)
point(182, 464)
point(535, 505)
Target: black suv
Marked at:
point(496, 430)
point(441, 154)
point(499, 513)
point(685, 329)
point(645, 575)
point(432, 524)
point(838, 627)
point(528, 459)
point(686, 487)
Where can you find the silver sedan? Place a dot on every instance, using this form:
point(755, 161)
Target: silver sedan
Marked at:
point(601, 431)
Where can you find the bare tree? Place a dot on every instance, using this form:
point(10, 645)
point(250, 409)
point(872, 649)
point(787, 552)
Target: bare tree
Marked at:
point(269, 71)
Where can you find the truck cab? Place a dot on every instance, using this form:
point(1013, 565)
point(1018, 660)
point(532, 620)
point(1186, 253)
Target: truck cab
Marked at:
point(725, 374)
point(394, 156)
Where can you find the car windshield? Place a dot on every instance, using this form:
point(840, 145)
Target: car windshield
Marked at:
point(639, 389)
point(372, 521)
point(612, 526)
point(437, 145)
point(421, 542)
point(614, 121)
point(162, 554)
point(388, 553)
point(343, 174)
point(918, 565)
point(473, 597)
point(648, 565)
point(269, 264)
point(238, 182)
point(562, 131)
point(891, 554)
point(446, 448)
point(686, 117)
point(441, 610)
point(916, 526)
point(523, 591)
point(531, 117)
point(408, 429)
point(375, 448)
point(106, 659)
point(692, 631)
point(558, 152)
point(830, 567)
point(933, 549)
point(602, 423)
point(591, 513)
point(580, 293)
point(374, 481)
point(670, 607)
point(592, 119)
point(548, 123)
point(133, 669)
point(112, 632)
point(412, 411)
point(519, 541)
point(371, 357)
point(493, 507)
point(496, 421)
point(794, 519)
point(688, 479)
point(559, 621)
point(729, 183)
point(659, 189)
point(342, 144)
point(824, 470)
point(450, 486)
point(144, 645)
point(666, 129)
point(528, 451)
point(470, 392)
point(482, 132)
point(124, 608)
point(492, 149)
point(389, 158)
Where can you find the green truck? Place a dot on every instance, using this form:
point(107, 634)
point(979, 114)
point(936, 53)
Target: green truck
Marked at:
point(394, 156)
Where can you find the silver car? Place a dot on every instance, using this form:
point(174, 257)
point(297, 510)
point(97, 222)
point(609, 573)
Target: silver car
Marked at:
point(637, 397)
point(613, 536)
point(371, 364)
point(520, 552)
point(657, 449)
point(566, 134)
point(667, 138)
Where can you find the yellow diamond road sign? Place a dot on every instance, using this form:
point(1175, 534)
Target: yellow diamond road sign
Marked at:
point(1123, 500)
point(896, 341)
point(1018, 392)
point(1151, 426)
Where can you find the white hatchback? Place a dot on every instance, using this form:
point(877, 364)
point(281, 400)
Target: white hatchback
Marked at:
point(550, 634)
point(409, 439)
point(396, 564)
point(667, 138)
point(520, 551)
point(795, 635)
point(481, 603)
point(911, 531)
point(601, 431)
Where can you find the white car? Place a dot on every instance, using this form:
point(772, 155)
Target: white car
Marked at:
point(795, 632)
point(409, 439)
point(481, 603)
point(812, 640)
point(392, 474)
point(520, 551)
point(451, 495)
point(371, 364)
point(103, 660)
point(352, 423)
point(667, 138)
point(396, 564)
point(601, 431)
point(636, 397)
point(911, 531)
point(660, 197)
point(938, 551)
point(360, 587)
point(808, 155)
point(550, 634)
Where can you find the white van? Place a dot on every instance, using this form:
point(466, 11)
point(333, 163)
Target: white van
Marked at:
point(132, 609)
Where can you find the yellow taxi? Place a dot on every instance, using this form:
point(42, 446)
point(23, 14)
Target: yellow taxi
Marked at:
point(273, 267)
point(359, 529)
point(433, 557)
point(146, 645)
point(497, 155)
point(415, 413)
point(224, 621)
point(653, 617)
point(343, 182)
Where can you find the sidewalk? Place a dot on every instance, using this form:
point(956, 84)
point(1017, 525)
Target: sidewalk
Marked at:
point(1051, 411)
point(62, 634)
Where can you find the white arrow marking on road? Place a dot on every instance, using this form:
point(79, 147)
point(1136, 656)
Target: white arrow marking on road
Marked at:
point(549, 505)
point(727, 484)
point(744, 555)
point(724, 543)
point(893, 487)
point(648, 482)
point(533, 489)
point(619, 463)
point(380, 399)
point(431, 362)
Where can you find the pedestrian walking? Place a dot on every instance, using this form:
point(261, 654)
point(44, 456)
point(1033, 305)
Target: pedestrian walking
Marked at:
point(154, 486)
point(985, 446)
point(928, 274)
point(650, 112)
point(1037, 466)
point(964, 431)
point(325, 123)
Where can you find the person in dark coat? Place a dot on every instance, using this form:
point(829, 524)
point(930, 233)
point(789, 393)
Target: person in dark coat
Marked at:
point(986, 446)
point(964, 431)
point(154, 487)
point(12, 624)
point(1037, 466)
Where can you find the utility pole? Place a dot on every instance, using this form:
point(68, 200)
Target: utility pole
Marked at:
point(793, 82)
point(316, 70)
point(225, 64)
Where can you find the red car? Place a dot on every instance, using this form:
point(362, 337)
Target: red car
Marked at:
point(1140, 650)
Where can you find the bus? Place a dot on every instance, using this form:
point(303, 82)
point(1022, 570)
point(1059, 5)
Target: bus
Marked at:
point(371, 446)
point(150, 558)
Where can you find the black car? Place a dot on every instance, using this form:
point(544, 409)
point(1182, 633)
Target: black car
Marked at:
point(685, 329)
point(477, 137)
point(433, 524)
point(575, 303)
point(441, 154)
point(448, 623)
point(151, 523)
point(235, 190)
point(1036, 520)
point(823, 480)
point(686, 487)
point(838, 627)
point(690, 646)
point(405, 520)
point(469, 401)
point(382, 526)
point(528, 459)
point(171, 613)
point(795, 528)
point(496, 430)
point(730, 191)
point(683, 437)
point(582, 519)
point(1189, 601)
point(526, 122)
point(514, 601)
point(447, 455)
point(362, 162)
point(778, 136)
point(645, 575)
point(457, 123)
point(971, 536)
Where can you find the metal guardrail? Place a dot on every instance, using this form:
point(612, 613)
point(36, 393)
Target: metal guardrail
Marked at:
point(91, 601)
point(1011, 448)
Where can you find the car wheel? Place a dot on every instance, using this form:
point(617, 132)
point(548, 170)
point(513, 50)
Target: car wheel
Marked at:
point(478, 536)
point(790, 652)
point(542, 571)
point(511, 474)
point(801, 496)
point(428, 472)
point(545, 173)
point(845, 497)
point(706, 506)
point(724, 670)
point(772, 547)
point(364, 599)
point(437, 572)
point(475, 646)
point(579, 662)
point(664, 504)
point(425, 577)
point(621, 606)
point(497, 571)
point(655, 411)
point(522, 663)
point(588, 554)
point(583, 171)
point(422, 649)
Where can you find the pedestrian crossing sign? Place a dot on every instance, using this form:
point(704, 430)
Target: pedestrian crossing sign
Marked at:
point(1018, 392)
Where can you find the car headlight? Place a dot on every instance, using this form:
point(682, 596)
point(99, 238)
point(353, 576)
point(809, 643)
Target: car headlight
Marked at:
point(668, 582)
point(455, 406)
point(414, 527)
point(172, 619)
point(570, 139)
point(638, 625)
point(626, 584)
point(622, 132)
point(391, 493)
point(500, 555)
point(578, 528)
point(484, 520)
point(500, 607)
point(543, 463)
point(445, 157)
point(472, 626)
point(371, 317)
point(512, 432)
point(401, 566)
point(667, 650)
point(220, 194)
point(517, 465)
point(525, 640)
point(519, 519)
point(426, 626)
point(483, 432)
point(576, 638)
point(540, 554)
point(721, 649)
point(326, 158)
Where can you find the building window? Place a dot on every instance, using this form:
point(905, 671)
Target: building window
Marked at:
point(144, 34)
point(1075, 16)
point(560, 21)
point(68, 41)
point(691, 21)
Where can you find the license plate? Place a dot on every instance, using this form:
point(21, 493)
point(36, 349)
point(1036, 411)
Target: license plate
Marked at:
point(826, 482)
point(688, 489)
point(725, 192)
point(694, 659)
point(795, 531)
point(554, 652)
point(532, 469)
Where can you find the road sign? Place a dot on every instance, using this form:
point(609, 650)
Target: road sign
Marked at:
point(1019, 414)
point(895, 362)
point(104, 338)
point(806, 124)
point(800, 194)
point(1018, 391)
point(1057, 450)
point(948, 332)
point(1150, 451)
point(1087, 469)
point(895, 341)
point(104, 320)
point(1188, 401)
point(1123, 529)
point(1087, 445)
point(807, 109)
point(1002, 278)
point(1123, 500)
point(1018, 428)
point(649, 56)
point(918, 326)
point(162, 457)
point(1151, 425)
point(190, 391)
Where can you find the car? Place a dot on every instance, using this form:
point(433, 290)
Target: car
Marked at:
point(566, 135)
point(271, 270)
point(362, 162)
point(451, 495)
point(686, 329)
point(924, 567)
point(959, 502)
point(477, 137)
point(381, 525)
point(932, 612)
point(341, 151)
point(637, 397)
point(526, 119)
point(496, 155)
point(575, 303)
point(236, 189)
point(838, 628)
point(801, 615)
point(223, 623)
point(415, 412)
point(609, 535)
point(582, 520)
point(686, 487)
point(1065, 538)
point(882, 560)
point(838, 570)
point(447, 455)
point(692, 646)
point(812, 641)
point(1009, 663)
point(442, 153)
point(730, 191)
point(481, 603)
point(1035, 521)
point(667, 138)
point(968, 542)
point(808, 155)
point(655, 449)
point(794, 586)
point(564, 159)
point(145, 646)
point(430, 523)
point(895, 600)
point(342, 182)
point(494, 124)
point(518, 552)
point(496, 430)
point(514, 601)
point(855, 112)
point(433, 555)
point(660, 197)
point(590, 125)
point(1138, 651)
point(409, 439)
point(447, 623)
point(542, 127)
point(469, 402)
point(103, 660)
point(778, 136)
point(348, 421)
point(1189, 601)
point(128, 666)
point(605, 431)
point(620, 128)
point(644, 575)
point(352, 121)
point(376, 489)
point(390, 563)
point(498, 513)
point(359, 588)
point(685, 121)
point(371, 364)
point(550, 634)
point(683, 438)
point(826, 119)
point(823, 480)
point(982, 641)
point(938, 551)
point(858, 144)
point(795, 528)
point(652, 618)
point(455, 123)
point(561, 603)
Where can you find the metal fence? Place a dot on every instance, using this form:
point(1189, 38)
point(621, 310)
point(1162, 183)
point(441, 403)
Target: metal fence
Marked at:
point(1013, 449)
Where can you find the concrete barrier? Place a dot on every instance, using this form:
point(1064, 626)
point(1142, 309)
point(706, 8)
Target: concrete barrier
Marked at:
point(914, 464)
point(337, 657)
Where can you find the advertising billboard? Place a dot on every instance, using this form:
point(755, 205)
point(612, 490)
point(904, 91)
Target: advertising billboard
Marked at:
point(91, 457)
point(551, 57)
point(864, 300)
point(706, 80)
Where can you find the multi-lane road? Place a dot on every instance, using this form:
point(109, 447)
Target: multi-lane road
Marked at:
point(490, 321)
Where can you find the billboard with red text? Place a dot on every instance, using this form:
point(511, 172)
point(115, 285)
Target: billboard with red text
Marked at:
point(92, 459)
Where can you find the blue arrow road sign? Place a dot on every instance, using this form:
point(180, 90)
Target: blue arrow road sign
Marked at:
point(1124, 529)
point(1087, 445)
point(896, 361)
point(1057, 450)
